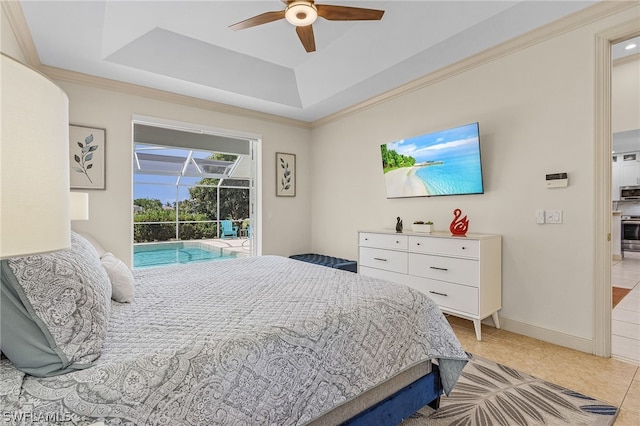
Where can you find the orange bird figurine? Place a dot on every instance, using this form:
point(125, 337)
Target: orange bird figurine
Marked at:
point(459, 226)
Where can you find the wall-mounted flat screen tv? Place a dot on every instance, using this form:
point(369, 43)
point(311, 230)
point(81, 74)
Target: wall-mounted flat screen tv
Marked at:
point(440, 163)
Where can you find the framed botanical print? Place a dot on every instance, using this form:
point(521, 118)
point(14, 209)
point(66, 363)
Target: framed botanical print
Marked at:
point(285, 175)
point(87, 157)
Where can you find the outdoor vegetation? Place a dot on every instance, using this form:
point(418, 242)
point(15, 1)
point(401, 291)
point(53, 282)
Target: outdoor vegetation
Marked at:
point(197, 215)
point(392, 160)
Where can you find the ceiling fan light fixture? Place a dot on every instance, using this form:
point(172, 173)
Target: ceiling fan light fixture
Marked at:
point(301, 13)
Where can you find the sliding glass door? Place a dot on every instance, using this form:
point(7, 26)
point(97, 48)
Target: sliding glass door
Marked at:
point(192, 184)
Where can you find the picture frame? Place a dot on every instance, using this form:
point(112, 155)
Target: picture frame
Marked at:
point(285, 174)
point(87, 157)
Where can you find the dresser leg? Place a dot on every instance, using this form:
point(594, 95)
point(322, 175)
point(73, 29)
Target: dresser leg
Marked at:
point(478, 327)
point(496, 320)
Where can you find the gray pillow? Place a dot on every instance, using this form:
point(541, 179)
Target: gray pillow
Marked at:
point(54, 309)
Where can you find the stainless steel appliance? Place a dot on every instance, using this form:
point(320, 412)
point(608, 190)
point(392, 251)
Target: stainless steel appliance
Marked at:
point(630, 233)
point(630, 192)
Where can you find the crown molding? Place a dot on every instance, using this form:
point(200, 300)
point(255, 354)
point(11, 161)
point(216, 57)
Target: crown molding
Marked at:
point(556, 28)
point(60, 74)
point(18, 23)
point(598, 11)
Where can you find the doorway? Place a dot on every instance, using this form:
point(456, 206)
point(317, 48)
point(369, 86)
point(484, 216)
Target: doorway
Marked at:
point(625, 270)
point(603, 183)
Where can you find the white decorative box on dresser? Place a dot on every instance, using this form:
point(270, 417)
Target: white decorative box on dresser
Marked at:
point(463, 275)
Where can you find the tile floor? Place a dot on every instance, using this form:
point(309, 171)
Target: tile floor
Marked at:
point(611, 380)
point(625, 317)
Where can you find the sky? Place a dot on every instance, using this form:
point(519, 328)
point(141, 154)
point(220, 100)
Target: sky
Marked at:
point(426, 147)
point(163, 187)
point(165, 193)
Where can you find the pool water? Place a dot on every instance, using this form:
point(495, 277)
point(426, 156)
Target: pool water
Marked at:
point(161, 254)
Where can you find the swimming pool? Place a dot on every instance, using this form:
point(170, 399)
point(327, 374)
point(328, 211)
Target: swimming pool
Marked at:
point(160, 254)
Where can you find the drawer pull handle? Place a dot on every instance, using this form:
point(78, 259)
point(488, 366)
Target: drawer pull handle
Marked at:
point(379, 258)
point(439, 294)
point(439, 269)
point(464, 248)
point(417, 244)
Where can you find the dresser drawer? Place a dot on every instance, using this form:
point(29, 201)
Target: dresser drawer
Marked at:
point(382, 274)
point(448, 295)
point(389, 260)
point(385, 241)
point(445, 246)
point(443, 268)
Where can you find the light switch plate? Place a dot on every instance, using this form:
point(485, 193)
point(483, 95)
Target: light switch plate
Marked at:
point(553, 216)
point(540, 217)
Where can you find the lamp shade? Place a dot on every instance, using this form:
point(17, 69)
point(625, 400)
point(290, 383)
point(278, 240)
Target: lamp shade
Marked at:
point(79, 206)
point(34, 163)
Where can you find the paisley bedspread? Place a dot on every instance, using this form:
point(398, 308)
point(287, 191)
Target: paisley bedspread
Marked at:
point(259, 340)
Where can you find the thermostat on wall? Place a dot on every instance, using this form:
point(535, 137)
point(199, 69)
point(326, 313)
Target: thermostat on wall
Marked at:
point(557, 180)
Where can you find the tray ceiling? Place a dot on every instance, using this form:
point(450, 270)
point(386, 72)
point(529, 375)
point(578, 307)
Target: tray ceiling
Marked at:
point(186, 47)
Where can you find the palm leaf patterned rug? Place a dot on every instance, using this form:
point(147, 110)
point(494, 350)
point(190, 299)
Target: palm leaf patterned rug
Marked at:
point(492, 394)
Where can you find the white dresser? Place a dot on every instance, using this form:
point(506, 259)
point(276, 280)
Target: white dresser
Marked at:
point(463, 275)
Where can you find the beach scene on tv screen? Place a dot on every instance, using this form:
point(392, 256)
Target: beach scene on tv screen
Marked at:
point(439, 163)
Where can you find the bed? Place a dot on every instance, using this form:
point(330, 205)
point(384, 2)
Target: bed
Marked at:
point(258, 340)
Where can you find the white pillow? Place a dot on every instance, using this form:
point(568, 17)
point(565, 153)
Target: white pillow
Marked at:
point(120, 276)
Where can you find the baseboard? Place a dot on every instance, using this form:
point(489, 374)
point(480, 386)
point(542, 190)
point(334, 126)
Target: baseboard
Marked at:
point(627, 360)
point(551, 336)
point(616, 257)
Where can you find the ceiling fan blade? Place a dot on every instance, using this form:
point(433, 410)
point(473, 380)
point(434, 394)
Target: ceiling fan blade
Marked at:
point(346, 13)
point(258, 20)
point(306, 37)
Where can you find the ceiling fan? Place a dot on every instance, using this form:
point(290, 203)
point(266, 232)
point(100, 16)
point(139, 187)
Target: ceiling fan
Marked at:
point(303, 13)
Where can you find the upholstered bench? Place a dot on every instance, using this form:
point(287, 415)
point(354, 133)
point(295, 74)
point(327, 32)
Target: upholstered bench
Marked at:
point(331, 262)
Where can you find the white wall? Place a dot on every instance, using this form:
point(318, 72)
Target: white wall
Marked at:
point(535, 108)
point(285, 220)
point(625, 96)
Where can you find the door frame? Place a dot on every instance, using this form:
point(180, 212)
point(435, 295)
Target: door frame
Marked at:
point(602, 182)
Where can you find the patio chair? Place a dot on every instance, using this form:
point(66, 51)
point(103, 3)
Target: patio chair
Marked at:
point(228, 230)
